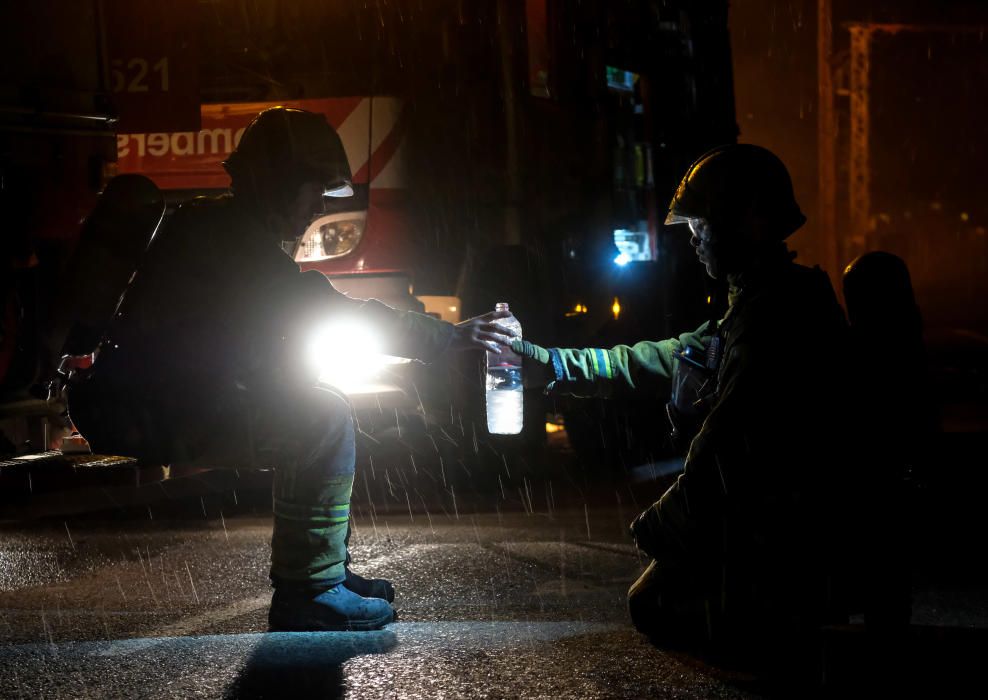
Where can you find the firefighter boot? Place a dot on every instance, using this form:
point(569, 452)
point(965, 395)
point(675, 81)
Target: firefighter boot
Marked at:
point(297, 609)
point(369, 587)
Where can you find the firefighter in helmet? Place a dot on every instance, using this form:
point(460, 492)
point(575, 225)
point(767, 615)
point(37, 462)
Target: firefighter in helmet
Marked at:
point(736, 542)
point(201, 364)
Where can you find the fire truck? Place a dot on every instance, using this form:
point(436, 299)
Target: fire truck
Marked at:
point(514, 152)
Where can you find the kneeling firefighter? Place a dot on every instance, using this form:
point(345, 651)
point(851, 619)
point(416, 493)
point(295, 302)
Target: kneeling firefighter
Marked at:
point(743, 540)
point(204, 362)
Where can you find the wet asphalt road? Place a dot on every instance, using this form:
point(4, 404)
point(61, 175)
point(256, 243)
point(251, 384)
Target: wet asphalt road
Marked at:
point(490, 606)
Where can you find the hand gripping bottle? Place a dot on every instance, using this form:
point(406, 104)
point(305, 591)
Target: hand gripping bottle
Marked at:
point(503, 383)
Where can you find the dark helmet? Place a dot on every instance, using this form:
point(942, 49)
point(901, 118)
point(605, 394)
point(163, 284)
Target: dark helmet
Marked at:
point(283, 148)
point(734, 181)
point(878, 292)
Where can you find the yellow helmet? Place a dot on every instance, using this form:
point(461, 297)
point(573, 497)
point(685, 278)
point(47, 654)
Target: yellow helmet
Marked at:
point(733, 181)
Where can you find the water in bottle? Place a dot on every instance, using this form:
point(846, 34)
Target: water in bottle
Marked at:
point(504, 383)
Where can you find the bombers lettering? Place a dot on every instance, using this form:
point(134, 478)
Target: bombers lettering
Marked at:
point(218, 141)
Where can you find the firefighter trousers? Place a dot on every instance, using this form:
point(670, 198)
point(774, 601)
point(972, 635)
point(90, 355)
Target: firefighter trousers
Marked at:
point(307, 437)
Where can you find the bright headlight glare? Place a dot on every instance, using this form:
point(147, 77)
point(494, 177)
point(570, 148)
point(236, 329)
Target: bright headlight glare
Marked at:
point(331, 236)
point(344, 350)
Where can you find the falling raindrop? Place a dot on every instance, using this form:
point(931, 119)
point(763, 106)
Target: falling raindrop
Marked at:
point(373, 522)
point(147, 576)
point(562, 562)
point(192, 583)
point(51, 640)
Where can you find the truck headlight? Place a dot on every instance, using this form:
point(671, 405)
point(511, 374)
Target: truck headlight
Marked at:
point(331, 236)
point(347, 354)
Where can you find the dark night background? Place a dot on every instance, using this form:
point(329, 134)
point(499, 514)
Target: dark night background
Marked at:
point(522, 161)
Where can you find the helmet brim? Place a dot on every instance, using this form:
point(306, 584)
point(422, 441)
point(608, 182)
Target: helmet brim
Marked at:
point(338, 190)
point(674, 218)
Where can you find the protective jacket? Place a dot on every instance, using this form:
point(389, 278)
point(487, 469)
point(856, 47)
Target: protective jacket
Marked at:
point(755, 505)
point(645, 368)
point(215, 307)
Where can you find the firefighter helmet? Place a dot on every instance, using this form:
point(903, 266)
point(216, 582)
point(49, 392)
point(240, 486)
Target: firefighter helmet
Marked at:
point(878, 292)
point(284, 147)
point(730, 182)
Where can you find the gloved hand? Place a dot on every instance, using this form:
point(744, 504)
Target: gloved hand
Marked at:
point(481, 333)
point(539, 370)
point(646, 531)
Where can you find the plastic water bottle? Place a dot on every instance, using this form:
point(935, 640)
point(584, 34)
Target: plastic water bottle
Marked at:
point(504, 387)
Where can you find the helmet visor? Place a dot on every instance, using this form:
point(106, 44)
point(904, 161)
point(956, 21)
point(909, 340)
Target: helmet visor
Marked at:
point(674, 218)
point(338, 190)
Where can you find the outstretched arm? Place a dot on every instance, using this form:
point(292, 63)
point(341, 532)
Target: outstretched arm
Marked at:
point(405, 333)
point(646, 366)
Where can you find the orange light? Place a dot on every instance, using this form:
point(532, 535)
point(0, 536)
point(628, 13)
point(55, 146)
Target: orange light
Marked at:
point(616, 308)
point(709, 299)
point(554, 428)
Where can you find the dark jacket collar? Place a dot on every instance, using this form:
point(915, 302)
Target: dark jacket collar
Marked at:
point(766, 267)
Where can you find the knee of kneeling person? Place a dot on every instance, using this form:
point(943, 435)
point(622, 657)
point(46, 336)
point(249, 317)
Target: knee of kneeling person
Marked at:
point(335, 410)
point(330, 432)
point(322, 411)
point(644, 601)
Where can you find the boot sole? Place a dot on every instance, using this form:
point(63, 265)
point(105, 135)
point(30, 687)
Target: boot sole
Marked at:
point(348, 626)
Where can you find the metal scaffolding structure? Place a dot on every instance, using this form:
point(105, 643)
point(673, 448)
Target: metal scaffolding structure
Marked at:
point(859, 170)
point(862, 36)
point(827, 140)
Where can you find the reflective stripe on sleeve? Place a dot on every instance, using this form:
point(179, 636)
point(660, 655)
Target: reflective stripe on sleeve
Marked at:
point(602, 364)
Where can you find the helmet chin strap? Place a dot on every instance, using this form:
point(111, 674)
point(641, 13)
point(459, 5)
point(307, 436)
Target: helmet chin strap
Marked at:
point(745, 245)
point(268, 221)
point(281, 226)
point(270, 216)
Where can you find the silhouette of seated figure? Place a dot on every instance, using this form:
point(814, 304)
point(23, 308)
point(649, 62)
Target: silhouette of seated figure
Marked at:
point(897, 421)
